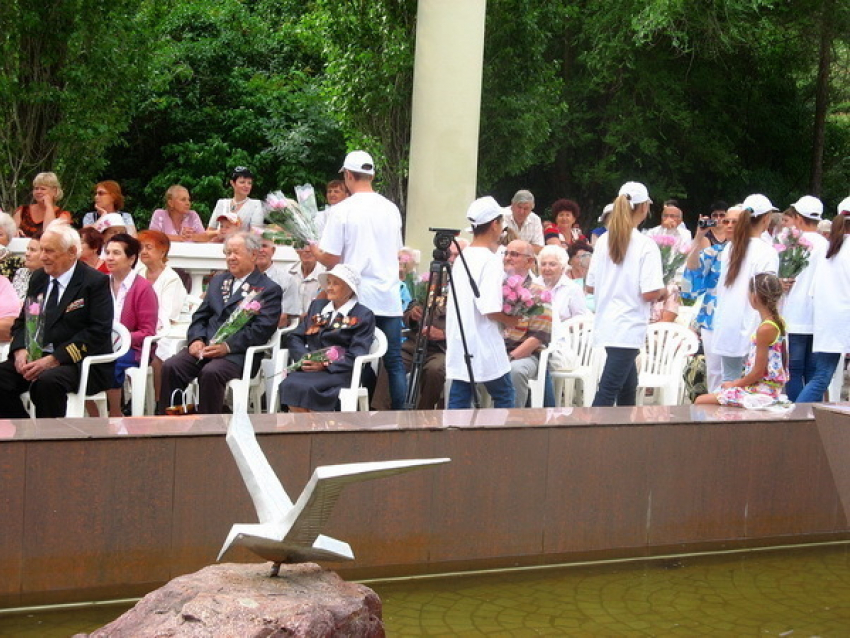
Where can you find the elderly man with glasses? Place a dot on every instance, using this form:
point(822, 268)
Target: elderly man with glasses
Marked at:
point(671, 224)
point(531, 335)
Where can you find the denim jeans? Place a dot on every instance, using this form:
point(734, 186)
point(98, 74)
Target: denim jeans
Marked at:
point(501, 391)
point(801, 364)
point(733, 368)
point(825, 364)
point(391, 327)
point(618, 385)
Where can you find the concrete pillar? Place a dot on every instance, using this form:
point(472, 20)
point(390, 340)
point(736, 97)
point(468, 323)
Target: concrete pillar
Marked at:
point(445, 119)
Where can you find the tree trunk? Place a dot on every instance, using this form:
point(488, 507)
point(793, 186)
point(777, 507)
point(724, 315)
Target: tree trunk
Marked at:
point(821, 99)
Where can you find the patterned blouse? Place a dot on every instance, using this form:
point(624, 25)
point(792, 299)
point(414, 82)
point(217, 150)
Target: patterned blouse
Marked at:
point(703, 281)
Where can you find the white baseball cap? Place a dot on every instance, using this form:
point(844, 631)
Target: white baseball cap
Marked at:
point(483, 210)
point(609, 208)
point(344, 272)
point(809, 207)
point(758, 205)
point(358, 162)
point(233, 218)
point(110, 220)
point(636, 192)
point(844, 206)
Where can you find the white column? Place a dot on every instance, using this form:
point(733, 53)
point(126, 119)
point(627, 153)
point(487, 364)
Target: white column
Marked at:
point(445, 119)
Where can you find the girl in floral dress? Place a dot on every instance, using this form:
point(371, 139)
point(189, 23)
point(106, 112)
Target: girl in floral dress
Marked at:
point(765, 372)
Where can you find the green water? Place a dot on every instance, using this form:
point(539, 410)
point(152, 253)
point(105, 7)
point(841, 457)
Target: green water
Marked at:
point(799, 592)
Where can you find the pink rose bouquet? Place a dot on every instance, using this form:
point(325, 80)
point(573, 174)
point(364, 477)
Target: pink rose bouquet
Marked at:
point(244, 312)
point(519, 301)
point(290, 222)
point(325, 355)
point(794, 252)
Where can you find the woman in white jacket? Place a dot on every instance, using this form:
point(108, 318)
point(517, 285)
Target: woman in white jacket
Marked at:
point(747, 255)
point(831, 308)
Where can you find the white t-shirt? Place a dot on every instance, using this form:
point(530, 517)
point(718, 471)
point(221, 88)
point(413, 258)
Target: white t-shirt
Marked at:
point(483, 335)
point(735, 320)
point(250, 213)
point(365, 231)
point(797, 310)
point(568, 299)
point(622, 315)
point(832, 302)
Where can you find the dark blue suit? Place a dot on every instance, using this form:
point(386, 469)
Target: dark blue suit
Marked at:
point(81, 325)
point(213, 374)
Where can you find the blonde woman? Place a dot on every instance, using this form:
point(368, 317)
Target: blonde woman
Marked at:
point(626, 278)
point(35, 217)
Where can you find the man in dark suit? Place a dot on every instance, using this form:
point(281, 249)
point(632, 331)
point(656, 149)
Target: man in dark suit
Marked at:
point(77, 313)
point(216, 364)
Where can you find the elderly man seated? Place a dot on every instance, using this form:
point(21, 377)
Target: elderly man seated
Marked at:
point(531, 335)
point(671, 224)
point(216, 361)
point(76, 308)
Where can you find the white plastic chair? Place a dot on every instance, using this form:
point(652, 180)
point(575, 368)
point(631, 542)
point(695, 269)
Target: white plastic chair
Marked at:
point(76, 407)
point(833, 391)
point(662, 361)
point(247, 391)
point(356, 397)
point(140, 379)
point(273, 368)
point(576, 333)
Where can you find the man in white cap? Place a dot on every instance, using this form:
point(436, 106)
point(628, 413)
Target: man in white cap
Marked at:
point(479, 317)
point(798, 309)
point(364, 232)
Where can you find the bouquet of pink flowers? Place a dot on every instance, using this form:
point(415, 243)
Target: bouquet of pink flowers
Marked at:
point(34, 325)
point(794, 252)
point(247, 308)
point(290, 222)
point(519, 301)
point(329, 354)
point(673, 255)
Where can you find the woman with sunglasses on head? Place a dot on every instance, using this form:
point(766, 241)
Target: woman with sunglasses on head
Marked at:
point(248, 210)
point(702, 272)
point(746, 255)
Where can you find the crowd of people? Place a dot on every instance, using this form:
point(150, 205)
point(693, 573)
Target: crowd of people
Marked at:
point(483, 319)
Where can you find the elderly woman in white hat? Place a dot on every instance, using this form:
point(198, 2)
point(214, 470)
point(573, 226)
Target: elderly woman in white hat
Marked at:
point(338, 322)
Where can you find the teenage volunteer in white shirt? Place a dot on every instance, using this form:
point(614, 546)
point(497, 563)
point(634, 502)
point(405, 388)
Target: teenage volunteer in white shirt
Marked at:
point(625, 277)
point(747, 254)
point(831, 308)
point(798, 309)
point(480, 316)
point(364, 232)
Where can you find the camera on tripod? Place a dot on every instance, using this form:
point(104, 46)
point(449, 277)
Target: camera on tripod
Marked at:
point(442, 241)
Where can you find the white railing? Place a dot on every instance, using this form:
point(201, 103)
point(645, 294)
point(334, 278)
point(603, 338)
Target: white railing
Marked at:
point(198, 259)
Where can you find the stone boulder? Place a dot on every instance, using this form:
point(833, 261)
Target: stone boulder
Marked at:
point(242, 600)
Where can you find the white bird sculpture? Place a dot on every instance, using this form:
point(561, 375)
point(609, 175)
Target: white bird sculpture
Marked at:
point(287, 532)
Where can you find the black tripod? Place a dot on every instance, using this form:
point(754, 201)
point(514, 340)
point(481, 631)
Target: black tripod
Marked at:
point(439, 279)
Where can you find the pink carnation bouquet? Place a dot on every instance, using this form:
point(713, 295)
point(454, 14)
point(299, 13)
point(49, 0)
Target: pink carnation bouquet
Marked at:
point(673, 255)
point(794, 252)
point(519, 301)
point(329, 355)
point(34, 325)
point(249, 307)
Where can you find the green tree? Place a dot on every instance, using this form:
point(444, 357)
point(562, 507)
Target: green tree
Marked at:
point(66, 68)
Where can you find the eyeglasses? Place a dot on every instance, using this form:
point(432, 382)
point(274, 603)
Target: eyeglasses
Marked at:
point(670, 216)
point(514, 254)
point(718, 215)
point(101, 193)
point(727, 222)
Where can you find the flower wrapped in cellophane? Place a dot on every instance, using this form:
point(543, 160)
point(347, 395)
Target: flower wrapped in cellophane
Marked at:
point(248, 308)
point(34, 327)
point(519, 301)
point(292, 222)
point(324, 355)
point(673, 255)
point(794, 252)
